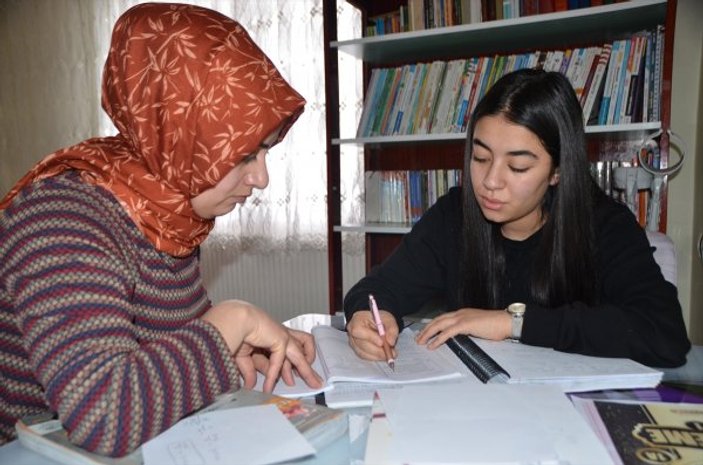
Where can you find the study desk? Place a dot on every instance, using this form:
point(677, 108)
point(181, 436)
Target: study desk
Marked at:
point(683, 384)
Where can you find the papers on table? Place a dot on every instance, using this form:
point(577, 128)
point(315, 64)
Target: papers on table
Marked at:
point(246, 435)
point(476, 423)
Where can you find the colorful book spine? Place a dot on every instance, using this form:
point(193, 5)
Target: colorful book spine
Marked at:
point(595, 88)
point(608, 89)
point(616, 83)
point(619, 81)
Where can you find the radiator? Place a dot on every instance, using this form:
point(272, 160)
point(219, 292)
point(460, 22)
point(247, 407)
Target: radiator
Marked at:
point(284, 284)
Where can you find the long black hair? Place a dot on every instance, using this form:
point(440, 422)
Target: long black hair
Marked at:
point(563, 270)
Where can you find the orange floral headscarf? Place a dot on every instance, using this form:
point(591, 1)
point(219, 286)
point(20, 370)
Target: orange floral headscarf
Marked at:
point(191, 95)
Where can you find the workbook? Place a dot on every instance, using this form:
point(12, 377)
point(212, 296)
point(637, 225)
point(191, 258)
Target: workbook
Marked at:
point(340, 367)
point(515, 363)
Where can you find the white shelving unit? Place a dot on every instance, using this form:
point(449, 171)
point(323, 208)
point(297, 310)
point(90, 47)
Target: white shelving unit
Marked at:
point(559, 30)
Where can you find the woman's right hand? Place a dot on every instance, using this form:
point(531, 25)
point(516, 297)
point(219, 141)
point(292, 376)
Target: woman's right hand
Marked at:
point(363, 334)
point(246, 328)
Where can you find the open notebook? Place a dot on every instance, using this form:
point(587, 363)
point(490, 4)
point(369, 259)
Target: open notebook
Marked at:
point(344, 371)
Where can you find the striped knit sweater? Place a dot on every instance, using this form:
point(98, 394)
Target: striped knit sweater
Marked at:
point(98, 326)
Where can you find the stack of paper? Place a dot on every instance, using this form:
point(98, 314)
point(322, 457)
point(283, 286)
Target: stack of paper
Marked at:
point(476, 423)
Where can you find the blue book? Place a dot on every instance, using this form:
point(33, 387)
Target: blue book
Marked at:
point(620, 85)
point(608, 86)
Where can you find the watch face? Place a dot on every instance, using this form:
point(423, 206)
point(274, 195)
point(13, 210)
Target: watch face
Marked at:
point(516, 309)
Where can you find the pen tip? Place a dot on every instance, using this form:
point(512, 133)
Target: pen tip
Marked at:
point(392, 365)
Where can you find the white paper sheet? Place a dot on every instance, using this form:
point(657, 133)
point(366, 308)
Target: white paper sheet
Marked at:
point(475, 423)
point(256, 435)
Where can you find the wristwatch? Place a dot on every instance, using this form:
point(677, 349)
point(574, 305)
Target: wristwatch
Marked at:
point(516, 311)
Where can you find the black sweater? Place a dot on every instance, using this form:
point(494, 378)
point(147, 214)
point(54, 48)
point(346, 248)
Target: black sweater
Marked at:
point(638, 317)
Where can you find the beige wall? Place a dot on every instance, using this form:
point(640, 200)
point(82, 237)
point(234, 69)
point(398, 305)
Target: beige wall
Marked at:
point(685, 208)
point(43, 108)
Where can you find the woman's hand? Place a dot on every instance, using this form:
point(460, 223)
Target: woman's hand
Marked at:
point(364, 338)
point(486, 324)
point(261, 344)
point(307, 344)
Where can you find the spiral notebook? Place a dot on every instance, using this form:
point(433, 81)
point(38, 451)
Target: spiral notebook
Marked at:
point(479, 362)
point(514, 363)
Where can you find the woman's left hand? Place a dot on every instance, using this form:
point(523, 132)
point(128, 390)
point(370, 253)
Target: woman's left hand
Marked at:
point(251, 360)
point(307, 345)
point(486, 324)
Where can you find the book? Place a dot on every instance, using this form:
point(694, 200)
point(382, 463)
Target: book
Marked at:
point(610, 78)
point(589, 75)
point(595, 88)
point(634, 95)
point(521, 363)
point(658, 73)
point(588, 65)
point(320, 425)
point(403, 104)
point(373, 93)
point(636, 432)
point(459, 423)
point(381, 106)
point(619, 78)
point(407, 122)
point(426, 107)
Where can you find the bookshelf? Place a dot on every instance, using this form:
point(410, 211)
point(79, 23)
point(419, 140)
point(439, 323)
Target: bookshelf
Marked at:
point(551, 31)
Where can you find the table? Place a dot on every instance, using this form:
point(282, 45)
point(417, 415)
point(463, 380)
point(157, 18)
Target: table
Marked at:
point(683, 384)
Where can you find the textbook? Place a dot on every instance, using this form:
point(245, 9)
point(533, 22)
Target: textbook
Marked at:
point(514, 363)
point(320, 425)
point(646, 432)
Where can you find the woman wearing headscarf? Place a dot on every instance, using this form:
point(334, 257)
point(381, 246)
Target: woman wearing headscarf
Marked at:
point(104, 319)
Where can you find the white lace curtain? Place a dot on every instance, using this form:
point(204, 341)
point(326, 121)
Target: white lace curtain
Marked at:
point(290, 214)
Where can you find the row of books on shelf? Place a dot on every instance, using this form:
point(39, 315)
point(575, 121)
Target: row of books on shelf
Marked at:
point(417, 15)
point(492, 10)
point(616, 83)
point(402, 196)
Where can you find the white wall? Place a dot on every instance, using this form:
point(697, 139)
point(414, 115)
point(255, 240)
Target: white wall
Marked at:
point(685, 207)
point(43, 108)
